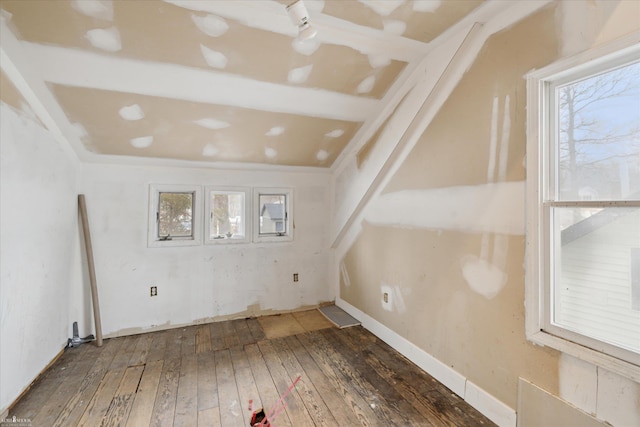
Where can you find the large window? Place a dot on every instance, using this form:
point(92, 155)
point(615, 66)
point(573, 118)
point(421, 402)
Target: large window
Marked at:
point(583, 182)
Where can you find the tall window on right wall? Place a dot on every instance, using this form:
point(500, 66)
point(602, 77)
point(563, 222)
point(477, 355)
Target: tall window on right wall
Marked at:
point(583, 207)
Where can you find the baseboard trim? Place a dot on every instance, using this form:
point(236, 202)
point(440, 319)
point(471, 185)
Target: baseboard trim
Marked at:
point(488, 405)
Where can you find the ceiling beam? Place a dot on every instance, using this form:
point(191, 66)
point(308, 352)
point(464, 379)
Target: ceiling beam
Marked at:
point(272, 16)
point(77, 68)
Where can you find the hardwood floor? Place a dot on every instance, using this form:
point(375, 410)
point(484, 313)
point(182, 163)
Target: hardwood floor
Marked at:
point(217, 374)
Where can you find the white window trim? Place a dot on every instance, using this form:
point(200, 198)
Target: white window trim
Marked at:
point(257, 237)
point(154, 191)
point(536, 254)
point(248, 221)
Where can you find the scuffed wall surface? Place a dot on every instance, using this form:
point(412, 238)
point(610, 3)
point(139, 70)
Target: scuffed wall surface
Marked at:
point(38, 250)
point(205, 282)
point(445, 240)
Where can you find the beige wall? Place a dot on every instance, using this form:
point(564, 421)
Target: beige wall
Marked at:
point(456, 286)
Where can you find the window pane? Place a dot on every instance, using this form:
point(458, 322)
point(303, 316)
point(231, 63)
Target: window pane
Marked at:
point(594, 266)
point(273, 214)
point(175, 215)
point(227, 215)
point(598, 130)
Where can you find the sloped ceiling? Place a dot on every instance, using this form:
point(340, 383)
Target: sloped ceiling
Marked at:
point(225, 82)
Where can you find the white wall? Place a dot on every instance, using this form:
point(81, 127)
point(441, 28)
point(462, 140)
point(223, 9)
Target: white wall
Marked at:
point(205, 282)
point(39, 250)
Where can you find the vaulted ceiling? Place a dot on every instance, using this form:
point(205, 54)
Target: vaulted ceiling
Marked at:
point(219, 82)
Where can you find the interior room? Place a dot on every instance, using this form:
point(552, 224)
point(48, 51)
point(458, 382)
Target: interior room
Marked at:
point(462, 177)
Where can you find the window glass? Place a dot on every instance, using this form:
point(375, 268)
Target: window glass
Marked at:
point(227, 216)
point(598, 131)
point(273, 214)
point(175, 215)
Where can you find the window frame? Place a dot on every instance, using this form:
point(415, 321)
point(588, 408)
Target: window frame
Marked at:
point(289, 218)
point(247, 215)
point(538, 287)
point(153, 240)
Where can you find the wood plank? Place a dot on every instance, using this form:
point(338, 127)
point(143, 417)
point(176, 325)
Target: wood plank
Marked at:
point(165, 403)
point(78, 402)
point(33, 400)
point(187, 400)
point(189, 340)
point(209, 417)
point(340, 400)
point(256, 330)
point(310, 396)
point(295, 406)
point(101, 400)
point(217, 336)
point(268, 393)
point(449, 408)
point(403, 385)
point(242, 331)
point(231, 412)
point(68, 377)
point(230, 337)
point(207, 385)
point(158, 346)
point(99, 404)
point(384, 411)
point(203, 339)
point(281, 325)
point(247, 390)
point(141, 351)
point(399, 408)
point(142, 407)
point(362, 410)
point(312, 320)
point(122, 401)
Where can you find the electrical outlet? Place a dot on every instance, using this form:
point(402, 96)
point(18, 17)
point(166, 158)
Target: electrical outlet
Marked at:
point(295, 277)
point(154, 291)
point(385, 297)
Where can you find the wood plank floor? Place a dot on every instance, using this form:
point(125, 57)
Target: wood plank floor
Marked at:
point(217, 374)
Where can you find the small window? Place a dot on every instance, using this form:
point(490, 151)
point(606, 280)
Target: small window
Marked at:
point(227, 211)
point(583, 180)
point(274, 217)
point(174, 215)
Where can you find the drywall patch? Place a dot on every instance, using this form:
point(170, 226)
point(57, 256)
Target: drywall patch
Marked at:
point(322, 155)
point(131, 112)
point(379, 60)
point(483, 277)
point(393, 26)
point(426, 5)
point(271, 153)
point(101, 9)
point(275, 131)
point(300, 75)
point(382, 7)
point(214, 124)
point(142, 141)
point(336, 133)
point(107, 39)
point(211, 25)
point(366, 85)
point(210, 150)
point(493, 207)
point(213, 58)
point(80, 131)
point(306, 47)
